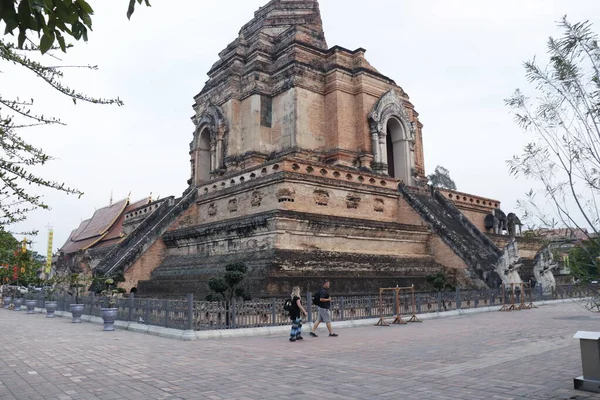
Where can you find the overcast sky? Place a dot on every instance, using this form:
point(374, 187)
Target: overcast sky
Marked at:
point(457, 60)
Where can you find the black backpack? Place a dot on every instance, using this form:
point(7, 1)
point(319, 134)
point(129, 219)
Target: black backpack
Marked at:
point(287, 306)
point(317, 298)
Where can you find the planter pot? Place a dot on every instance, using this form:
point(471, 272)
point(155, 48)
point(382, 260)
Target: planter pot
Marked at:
point(7, 300)
point(50, 308)
point(18, 303)
point(109, 315)
point(77, 312)
point(30, 306)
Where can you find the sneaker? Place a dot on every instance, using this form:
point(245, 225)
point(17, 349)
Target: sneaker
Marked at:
point(292, 339)
point(333, 335)
point(299, 338)
point(313, 334)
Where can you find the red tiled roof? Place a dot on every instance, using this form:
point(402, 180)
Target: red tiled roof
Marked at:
point(103, 229)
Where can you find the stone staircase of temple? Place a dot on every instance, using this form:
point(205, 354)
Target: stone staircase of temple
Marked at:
point(469, 243)
point(124, 254)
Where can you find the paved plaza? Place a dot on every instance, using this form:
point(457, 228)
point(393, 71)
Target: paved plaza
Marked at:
point(517, 355)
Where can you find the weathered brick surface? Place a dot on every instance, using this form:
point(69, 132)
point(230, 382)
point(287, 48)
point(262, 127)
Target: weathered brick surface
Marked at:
point(524, 355)
point(443, 254)
point(143, 267)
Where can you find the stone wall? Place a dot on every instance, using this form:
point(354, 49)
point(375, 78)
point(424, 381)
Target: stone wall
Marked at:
point(444, 255)
point(475, 208)
point(144, 265)
point(528, 247)
point(274, 272)
point(289, 184)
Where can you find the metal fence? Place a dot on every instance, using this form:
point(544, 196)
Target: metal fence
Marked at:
point(188, 313)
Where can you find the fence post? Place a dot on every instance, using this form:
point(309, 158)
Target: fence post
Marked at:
point(131, 305)
point(274, 312)
point(342, 308)
point(233, 313)
point(147, 312)
point(166, 313)
point(439, 296)
point(457, 299)
point(92, 297)
point(308, 306)
point(418, 300)
point(570, 291)
point(370, 303)
point(190, 312)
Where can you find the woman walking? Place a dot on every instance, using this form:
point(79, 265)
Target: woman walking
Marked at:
point(295, 310)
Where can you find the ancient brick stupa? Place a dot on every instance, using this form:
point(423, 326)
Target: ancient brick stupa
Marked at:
point(306, 162)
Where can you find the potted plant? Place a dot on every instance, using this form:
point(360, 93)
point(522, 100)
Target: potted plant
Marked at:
point(7, 298)
point(30, 302)
point(77, 283)
point(50, 299)
point(18, 298)
point(109, 312)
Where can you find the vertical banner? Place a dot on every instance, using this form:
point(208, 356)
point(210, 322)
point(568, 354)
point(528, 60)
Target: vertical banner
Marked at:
point(49, 254)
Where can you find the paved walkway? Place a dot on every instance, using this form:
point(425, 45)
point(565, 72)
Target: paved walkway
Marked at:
point(518, 355)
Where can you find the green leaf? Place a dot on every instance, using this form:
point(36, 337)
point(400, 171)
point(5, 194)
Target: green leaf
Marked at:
point(85, 6)
point(61, 43)
point(130, 9)
point(46, 42)
point(37, 5)
point(24, 14)
point(87, 20)
point(22, 37)
point(11, 24)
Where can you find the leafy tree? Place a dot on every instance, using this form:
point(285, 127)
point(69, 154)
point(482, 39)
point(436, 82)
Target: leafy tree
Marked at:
point(582, 260)
point(563, 156)
point(78, 284)
point(12, 254)
point(30, 27)
point(439, 281)
point(441, 179)
point(230, 285)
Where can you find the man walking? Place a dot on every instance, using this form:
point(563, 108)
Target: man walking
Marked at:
point(324, 313)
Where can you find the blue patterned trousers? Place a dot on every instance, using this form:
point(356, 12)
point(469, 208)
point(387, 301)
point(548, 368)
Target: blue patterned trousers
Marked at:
point(296, 328)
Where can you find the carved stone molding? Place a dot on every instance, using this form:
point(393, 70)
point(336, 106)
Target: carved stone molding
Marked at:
point(321, 197)
point(256, 198)
point(233, 205)
point(213, 119)
point(352, 201)
point(285, 195)
point(388, 106)
point(379, 205)
point(212, 209)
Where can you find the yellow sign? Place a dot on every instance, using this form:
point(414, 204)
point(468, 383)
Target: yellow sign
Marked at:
point(49, 255)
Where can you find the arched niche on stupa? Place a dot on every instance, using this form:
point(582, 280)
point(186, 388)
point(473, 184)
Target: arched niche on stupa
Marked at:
point(208, 149)
point(392, 138)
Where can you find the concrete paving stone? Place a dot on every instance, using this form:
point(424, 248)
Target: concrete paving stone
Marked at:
point(528, 355)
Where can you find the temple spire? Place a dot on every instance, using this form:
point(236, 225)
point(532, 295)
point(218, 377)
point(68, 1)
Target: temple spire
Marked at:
point(278, 16)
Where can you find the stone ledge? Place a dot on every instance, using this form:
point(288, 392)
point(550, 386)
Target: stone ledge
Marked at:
point(187, 335)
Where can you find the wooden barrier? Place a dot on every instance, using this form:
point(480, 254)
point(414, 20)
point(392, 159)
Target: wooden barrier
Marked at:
point(398, 319)
point(524, 288)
